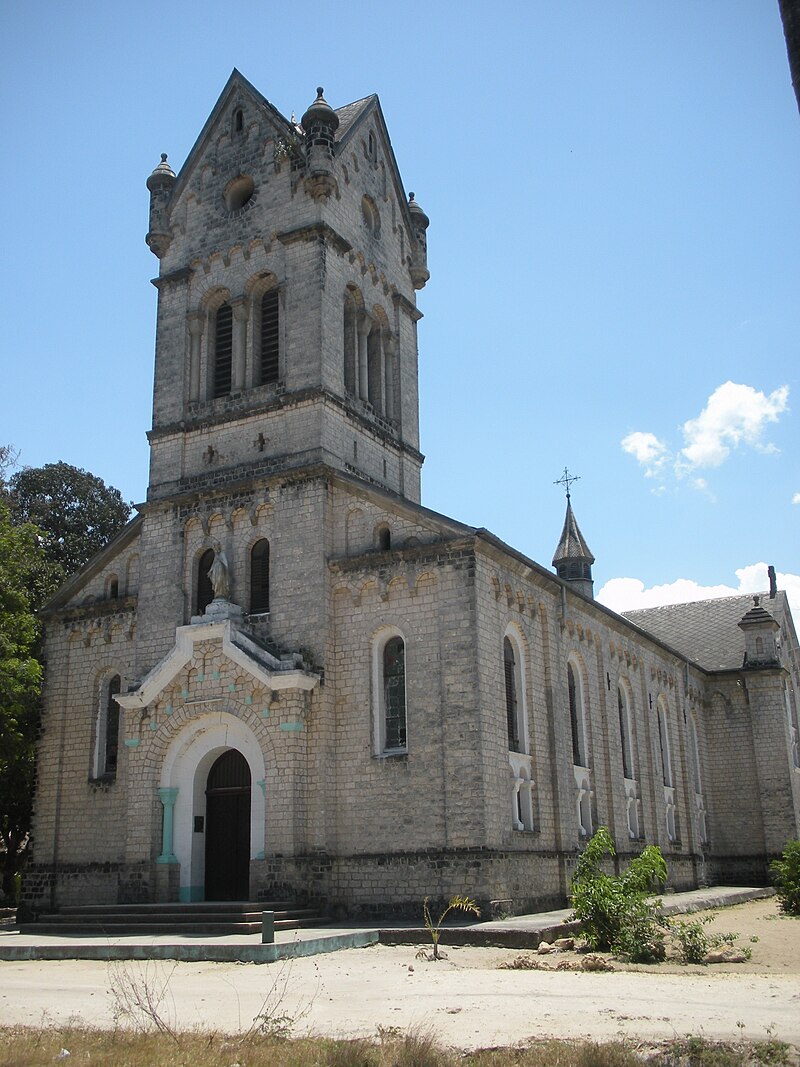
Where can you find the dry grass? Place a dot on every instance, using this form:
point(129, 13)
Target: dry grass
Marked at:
point(22, 1047)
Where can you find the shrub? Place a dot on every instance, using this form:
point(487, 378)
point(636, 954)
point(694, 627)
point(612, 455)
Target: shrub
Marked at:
point(614, 911)
point(786, 872)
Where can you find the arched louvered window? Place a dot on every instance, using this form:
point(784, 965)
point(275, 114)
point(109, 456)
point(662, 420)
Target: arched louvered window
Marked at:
point(259, 577)
point(205, 590)
point(270, 338)
point(223, 350)
point(512, 700)
point(350, 345)
point(394, 693)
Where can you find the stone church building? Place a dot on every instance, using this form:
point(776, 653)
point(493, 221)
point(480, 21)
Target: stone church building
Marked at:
point(288, 678)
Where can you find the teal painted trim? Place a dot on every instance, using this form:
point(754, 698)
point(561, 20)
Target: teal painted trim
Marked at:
point(215, 675)
point(201, 677)
point(231, 687)
point(131, 742)
point(191, 894)
point(171, 858)
point(292, 727)
point(265, 713)
point(153, 725)
point(168, 709)
point(248, 700)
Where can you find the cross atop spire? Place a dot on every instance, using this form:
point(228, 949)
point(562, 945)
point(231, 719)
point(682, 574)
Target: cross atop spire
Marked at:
point(566, 480)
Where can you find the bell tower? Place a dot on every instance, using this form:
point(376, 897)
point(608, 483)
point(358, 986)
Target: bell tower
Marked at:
point(289, 257)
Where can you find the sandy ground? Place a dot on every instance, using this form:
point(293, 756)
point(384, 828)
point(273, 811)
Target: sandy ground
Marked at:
point(468, 1000)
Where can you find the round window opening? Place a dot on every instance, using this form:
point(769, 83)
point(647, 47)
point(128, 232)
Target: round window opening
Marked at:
point(239, 192)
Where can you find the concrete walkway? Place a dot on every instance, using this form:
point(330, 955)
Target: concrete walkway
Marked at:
point(519, 931)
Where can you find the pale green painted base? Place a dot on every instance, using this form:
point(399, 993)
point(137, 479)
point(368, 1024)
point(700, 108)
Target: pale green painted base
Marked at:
point(190, 894)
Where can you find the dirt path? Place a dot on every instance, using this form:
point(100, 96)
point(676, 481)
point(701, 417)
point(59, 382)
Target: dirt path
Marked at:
point(467, 999)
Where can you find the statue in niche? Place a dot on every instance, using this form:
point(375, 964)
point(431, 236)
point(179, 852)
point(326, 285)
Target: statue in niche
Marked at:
point(219, 573)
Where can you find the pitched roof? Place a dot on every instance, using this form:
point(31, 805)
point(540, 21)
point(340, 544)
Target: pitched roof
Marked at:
point(350, 112)
point(572, 544)
point(706, 631)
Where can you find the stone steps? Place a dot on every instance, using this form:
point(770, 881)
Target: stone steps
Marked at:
point(208, 918)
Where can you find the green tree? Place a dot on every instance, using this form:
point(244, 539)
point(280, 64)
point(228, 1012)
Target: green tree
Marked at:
point(53, 519)
point(77, 513)
point(20, 680)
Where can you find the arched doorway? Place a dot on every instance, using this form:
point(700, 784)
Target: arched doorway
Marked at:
point(228, 828)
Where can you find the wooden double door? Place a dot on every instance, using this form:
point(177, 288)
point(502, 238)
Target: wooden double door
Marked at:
point(228, 828)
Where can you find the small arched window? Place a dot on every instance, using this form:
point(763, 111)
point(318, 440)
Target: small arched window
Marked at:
point(205, 590)
point(238, 120)
point(269, 362)
point(112, 588)
point(223, 350)
point(383, 537)
point(576, 718)
point(107, 730)
point(259, 577)
point(625, 733)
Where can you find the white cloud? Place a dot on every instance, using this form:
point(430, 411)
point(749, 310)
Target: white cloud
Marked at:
point(733, 415)
point(796, 498)
point(630, 594)
point(648, 451)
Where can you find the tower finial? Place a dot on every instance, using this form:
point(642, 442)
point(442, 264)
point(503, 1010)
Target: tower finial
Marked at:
point(566, 480)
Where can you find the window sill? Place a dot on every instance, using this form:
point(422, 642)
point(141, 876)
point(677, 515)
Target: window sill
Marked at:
point(393, 754)
point(104, 779)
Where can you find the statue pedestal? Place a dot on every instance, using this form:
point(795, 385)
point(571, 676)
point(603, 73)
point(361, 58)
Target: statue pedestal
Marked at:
point(219, 610)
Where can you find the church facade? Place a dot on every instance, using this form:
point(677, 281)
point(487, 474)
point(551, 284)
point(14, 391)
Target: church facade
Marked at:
point(286, 678)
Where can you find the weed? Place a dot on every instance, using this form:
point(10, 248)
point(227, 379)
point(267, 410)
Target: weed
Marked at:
point(140, 994)
point(614, 911)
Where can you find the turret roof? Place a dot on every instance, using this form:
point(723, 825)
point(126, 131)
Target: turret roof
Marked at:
point(572, 544)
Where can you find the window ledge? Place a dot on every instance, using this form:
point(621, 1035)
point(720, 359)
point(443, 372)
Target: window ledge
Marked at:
point(393, 753)
point(103, 779)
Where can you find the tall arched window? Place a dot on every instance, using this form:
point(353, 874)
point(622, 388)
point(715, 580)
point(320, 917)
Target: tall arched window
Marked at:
point(259, 577)
point(269, 363)
point(512, 699)
point(107, 731)
point(576, 718)
point(663, 740)
point(223, 350)
point(389, 667)
point(205, 590)
point(625, 733)
point(394, 689)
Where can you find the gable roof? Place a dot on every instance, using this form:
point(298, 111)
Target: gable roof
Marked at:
point(236, 82)
point(706, 631)
point(76, 582)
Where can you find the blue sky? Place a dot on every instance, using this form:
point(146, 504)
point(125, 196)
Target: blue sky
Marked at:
point(614, 248)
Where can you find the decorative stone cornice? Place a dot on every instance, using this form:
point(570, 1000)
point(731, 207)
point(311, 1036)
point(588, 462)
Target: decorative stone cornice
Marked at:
point(268, 671)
